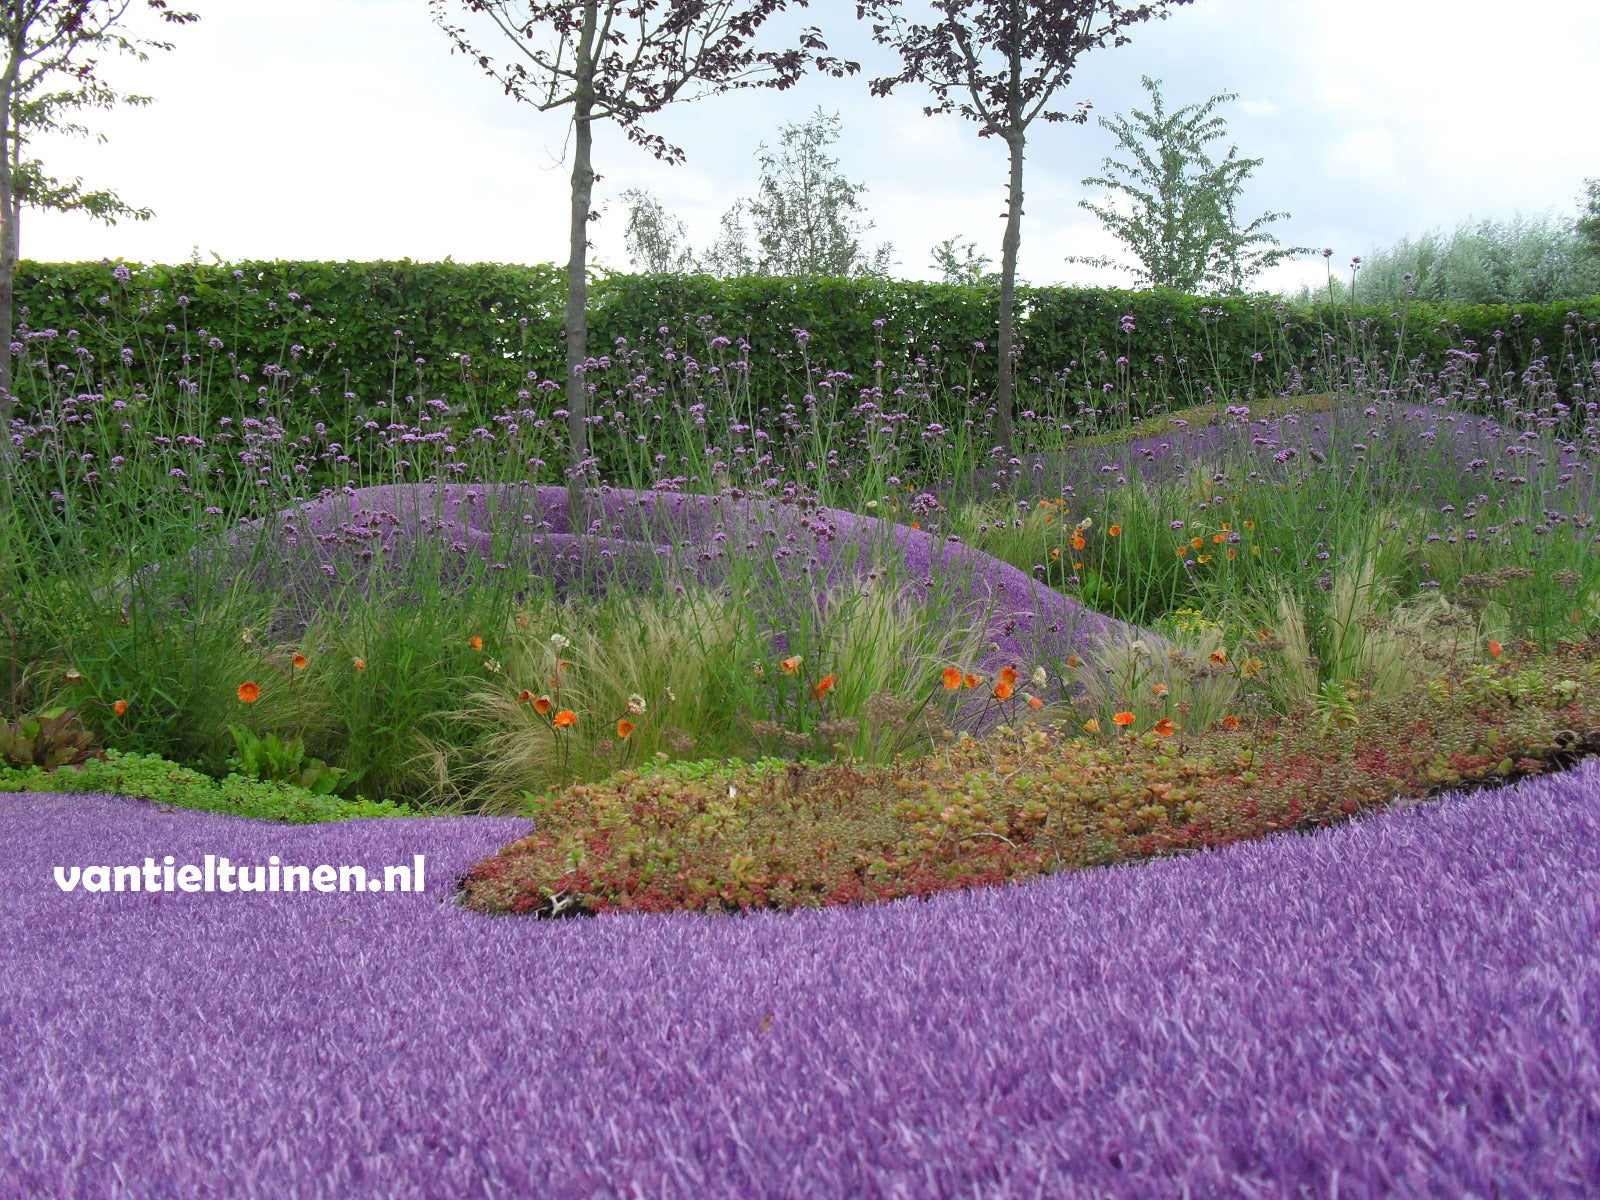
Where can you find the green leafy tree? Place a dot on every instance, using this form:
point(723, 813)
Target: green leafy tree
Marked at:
point(808, 217)
point(957, 260)
point(625, 61)
point(730, 256)
point(1523, 260)
point(999, 64)
point(50, 43)
point(1589, 216)
point(1179, 207)
point(657, 240)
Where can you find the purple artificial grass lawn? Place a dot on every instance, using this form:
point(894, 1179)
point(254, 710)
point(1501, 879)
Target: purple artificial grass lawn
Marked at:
point(1404, 1006)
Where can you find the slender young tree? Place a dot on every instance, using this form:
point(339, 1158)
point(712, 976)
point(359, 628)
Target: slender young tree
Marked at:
point(50, 43)
point(1181, 221)
point(957, 260)
point(624, 60)
point(1589, 215)
point(656, 240)
point(999, 64)
point(808, 217)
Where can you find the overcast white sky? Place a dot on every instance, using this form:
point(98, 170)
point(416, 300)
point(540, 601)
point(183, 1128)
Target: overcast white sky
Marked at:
point(345, 130)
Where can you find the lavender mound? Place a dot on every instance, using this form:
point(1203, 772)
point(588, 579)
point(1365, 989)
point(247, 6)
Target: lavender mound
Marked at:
point(1423, 444)
point(1406, 1006)
point(652, 539)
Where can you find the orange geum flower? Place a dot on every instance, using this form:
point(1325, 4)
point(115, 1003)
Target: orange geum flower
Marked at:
point(1092, 725)
point(1055, 554)
point(822, 688)
point(1226, 527)
point(1074, 661)
point(249, 692)
point(1035, 702)
point(1249, 524)
point(1114, 531)
point(1495, 649)
point(476, 642)
point(1162, 728)
point(1218, 538)
point(972, 681)
point(1008, 676)
point(790, 665)
point(1195, 543)
point(1219, 655)
point(1232, 554)
point(120, 708)
point(1230, 723)
point(624, 728)
point(1159, 689)
point(1124, 718)
point(299, 661)
point(1003, 690)
point(542, 705)
point(524, 696)
point(565, 718)
point(1077, 541)
point(359, 664)
point(951, 678)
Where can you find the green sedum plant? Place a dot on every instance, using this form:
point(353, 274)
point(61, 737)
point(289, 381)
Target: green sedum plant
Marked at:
point(150, 777)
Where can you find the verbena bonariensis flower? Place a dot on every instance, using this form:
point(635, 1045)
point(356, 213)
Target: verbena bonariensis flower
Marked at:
point(1405, 1004)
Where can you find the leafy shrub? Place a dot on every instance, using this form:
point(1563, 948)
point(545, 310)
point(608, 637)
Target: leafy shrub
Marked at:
point(1023, 802)
point(46, 740)
point(148, 777)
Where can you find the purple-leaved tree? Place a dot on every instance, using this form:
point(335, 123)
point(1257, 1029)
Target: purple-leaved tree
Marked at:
point(624, 60)
point(51, 42)
point(999, 64)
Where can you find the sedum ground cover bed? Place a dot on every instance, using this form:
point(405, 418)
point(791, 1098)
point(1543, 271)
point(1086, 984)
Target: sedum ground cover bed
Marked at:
point(1025, 801)
point(1407, 1004)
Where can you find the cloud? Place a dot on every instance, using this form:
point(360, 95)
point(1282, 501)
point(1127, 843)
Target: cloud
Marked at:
point(347, 129)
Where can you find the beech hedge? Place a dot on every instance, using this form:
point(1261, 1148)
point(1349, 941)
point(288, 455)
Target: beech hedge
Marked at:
point(472, 332)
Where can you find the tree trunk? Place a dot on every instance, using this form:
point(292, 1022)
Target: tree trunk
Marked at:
point(1004, 426)
point(576, 317)
point(9, 210)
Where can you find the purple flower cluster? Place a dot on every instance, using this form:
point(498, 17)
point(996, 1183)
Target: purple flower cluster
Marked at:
point(1409, 1005)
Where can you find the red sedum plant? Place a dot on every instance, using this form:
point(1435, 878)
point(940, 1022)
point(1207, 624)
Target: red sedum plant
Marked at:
point(1024, 802)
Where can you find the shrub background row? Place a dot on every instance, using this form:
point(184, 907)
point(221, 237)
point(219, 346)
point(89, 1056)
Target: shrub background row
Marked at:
point(347, 313)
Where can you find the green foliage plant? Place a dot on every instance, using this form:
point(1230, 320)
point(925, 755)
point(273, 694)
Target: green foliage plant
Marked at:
point(150, 777)
point(275, 758)
point(47, 740)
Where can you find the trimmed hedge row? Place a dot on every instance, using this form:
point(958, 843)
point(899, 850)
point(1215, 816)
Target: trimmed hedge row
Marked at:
point(506, 322)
